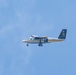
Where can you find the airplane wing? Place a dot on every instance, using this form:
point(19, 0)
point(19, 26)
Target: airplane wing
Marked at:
point(44, 37)
point(39, 38)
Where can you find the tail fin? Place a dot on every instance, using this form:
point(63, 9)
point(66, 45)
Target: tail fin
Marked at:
point(63, 34)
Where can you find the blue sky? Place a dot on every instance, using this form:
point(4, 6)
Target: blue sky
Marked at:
point(21, 18)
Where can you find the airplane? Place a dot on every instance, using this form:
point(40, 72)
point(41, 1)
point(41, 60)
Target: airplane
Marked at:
point(44, 39)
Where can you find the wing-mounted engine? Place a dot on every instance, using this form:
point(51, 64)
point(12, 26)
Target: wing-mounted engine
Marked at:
point(46, 40)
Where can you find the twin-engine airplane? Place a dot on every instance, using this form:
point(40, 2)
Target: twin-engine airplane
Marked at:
point(43, 40)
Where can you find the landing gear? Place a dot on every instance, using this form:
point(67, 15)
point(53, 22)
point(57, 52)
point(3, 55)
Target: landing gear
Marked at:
point(40, 44)
point(27, 44)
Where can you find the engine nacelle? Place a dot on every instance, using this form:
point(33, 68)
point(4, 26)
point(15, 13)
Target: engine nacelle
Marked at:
point(45, 40)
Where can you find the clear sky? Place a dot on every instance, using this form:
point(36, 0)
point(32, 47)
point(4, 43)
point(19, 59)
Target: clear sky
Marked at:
point(21, 18)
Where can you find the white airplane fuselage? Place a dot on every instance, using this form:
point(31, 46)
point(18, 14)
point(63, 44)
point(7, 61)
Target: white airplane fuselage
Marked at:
point(50, 40)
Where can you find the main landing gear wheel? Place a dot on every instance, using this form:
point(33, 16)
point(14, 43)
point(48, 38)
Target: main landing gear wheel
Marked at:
point(40, 45)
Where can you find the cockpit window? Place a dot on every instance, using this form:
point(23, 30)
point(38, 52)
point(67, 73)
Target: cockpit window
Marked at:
point(30, 38)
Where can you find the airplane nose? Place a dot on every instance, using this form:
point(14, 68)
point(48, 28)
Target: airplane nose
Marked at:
point(24, 40)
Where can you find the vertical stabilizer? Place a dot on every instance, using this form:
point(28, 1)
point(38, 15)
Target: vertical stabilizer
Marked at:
point(63, 34)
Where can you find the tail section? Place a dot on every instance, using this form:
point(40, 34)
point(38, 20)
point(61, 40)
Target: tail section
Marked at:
point(63, 34)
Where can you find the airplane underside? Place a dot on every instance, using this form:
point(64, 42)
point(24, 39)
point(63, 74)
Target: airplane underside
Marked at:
point(40, 42)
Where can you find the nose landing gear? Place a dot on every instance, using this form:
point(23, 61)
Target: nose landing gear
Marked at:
point(27, 44)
